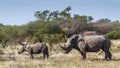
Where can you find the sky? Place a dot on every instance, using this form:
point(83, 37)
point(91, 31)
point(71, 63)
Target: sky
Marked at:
point(19, 12)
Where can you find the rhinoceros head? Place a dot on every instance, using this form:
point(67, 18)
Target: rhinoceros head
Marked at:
point(71, 43)
point(22, 48)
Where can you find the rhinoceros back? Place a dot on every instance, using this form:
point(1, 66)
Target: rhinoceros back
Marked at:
point(36, 48)
point(94, 43)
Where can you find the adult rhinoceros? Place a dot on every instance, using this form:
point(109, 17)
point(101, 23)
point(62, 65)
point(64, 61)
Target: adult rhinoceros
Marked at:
point(91, 43)
point(34, 49)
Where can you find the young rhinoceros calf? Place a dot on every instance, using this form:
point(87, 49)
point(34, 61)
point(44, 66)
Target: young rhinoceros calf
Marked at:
point(34, 49)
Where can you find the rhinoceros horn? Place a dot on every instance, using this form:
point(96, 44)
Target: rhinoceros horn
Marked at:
point(64, 48)
point(67, 49)
point(21, 43)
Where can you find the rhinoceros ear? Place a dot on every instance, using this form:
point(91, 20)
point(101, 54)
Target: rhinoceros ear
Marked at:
point(65, 37)
point(73, 39)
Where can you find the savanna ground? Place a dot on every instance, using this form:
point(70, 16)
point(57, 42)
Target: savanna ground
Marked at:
point(59, 60)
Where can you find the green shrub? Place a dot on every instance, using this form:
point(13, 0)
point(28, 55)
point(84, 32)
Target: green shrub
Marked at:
point(113, 34)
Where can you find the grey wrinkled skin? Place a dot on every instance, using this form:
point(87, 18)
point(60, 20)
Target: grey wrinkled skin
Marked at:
point(91, 43)
point(35, 49)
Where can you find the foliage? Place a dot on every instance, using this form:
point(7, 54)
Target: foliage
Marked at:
point(73, 26)
point(104, 20)
point(52, 26)
point(35, 31)
point(83, 17)
point(102, 28)
point(114, 34)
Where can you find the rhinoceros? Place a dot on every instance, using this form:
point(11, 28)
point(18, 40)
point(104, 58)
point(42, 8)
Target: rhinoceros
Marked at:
point(92, 43)
point(34, 49)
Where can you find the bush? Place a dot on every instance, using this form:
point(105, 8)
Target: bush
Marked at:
point(101, 28)
point(113, 34)
point(73, 26)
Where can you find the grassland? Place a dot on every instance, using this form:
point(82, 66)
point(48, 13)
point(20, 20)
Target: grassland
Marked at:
point(59, 60)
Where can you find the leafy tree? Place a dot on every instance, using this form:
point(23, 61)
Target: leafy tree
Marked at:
point(42, 16)
point(73, 26)
point(53, 15)
point(76, 16)
point(67, 10)
point(89, 18)
point(104, 21)
point(65, 14)
point(1, 24)
point(84, 18)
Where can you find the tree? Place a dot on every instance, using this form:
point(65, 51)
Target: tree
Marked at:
point(104, 21)
point(53, 15)
point(86, 19)
point(76, 16)
point(117, 21)
point(1, 24)
point(67, 10)
point(42, 16)
point(65, 14)
point(89, 18)
point(73, 26)
point(45, 14)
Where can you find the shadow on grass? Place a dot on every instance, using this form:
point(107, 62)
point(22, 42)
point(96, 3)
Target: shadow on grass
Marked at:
point(118, 59)
point(97, 59)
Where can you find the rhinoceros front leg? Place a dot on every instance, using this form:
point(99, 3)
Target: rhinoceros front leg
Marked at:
point(82, 52)
point(31, 56)
point(47, 54)
point(43, 55)
point(31, 53)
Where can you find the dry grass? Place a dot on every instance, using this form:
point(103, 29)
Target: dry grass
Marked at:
point(59, 60)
